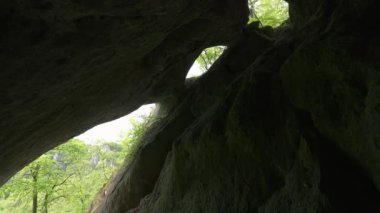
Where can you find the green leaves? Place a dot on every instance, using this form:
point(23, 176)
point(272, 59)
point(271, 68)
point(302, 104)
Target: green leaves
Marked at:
point(67, 178)
point(48, 177)
point(209, 56)
point(268, 12)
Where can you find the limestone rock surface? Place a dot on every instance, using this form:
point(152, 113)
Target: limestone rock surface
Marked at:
point(286, 120)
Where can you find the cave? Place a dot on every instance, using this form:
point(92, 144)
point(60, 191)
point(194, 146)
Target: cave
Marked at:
point(286, 120)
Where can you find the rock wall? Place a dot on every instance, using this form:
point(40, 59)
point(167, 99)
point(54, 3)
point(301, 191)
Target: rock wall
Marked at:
point(67, 66)
point(285, 121)
point(294, 130)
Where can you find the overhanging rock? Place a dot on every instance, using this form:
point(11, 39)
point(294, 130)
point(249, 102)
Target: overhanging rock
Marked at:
point(286, 120)
point(69, 65)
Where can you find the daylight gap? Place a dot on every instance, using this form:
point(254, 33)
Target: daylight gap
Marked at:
point(272, 13)
point(205, 60)
point(68, 177)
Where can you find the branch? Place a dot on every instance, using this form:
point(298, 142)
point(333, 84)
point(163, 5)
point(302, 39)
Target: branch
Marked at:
point(63, 182)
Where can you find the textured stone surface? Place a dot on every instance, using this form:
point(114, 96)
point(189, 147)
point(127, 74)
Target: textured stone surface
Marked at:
point(69, 65)
point(279, 124)
point(138, 179)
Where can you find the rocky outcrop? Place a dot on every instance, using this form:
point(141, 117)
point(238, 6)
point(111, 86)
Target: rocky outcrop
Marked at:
point(69, 65)
point(285, 121)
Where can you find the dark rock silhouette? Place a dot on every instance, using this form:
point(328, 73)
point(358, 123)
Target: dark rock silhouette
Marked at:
point(287, 120)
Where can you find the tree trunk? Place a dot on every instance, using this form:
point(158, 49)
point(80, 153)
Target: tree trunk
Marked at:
point(45, 204)
point(35, 200)
point(34, 173)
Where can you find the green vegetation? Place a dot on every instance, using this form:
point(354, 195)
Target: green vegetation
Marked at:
point(67, 178)
point(268, 12)
point(209, 56)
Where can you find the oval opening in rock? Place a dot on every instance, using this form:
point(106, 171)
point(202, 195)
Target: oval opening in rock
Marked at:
point(205, 60)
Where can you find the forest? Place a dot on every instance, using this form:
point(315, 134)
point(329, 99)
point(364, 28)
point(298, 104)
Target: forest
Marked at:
point(69, 177)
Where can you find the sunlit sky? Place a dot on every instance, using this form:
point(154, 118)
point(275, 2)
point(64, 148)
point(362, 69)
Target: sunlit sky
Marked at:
point(194, 71)
point(117, 129)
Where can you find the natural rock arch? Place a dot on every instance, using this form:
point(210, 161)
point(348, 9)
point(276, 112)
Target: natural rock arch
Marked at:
point(286, 120)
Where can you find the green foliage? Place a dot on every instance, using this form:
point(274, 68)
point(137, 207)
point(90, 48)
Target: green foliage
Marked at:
point(208, 57)
point(131, 142)
point(67, 178)
point(268, 12)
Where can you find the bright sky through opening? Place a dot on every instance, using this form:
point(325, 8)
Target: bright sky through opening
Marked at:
point(116, 129)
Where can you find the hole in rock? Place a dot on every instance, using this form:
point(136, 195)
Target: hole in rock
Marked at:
point(205, 60)
point(68, 177)
point(271, 13)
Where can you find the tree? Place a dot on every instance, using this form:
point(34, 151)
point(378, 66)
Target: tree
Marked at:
point(67, 178)
point(46, 179)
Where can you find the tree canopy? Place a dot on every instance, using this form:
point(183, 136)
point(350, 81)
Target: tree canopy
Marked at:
point(268, 12)
point(67, 178)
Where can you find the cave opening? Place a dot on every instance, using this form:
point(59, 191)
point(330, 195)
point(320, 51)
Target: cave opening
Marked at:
point(68, 177)
point(88, 161)
point(268, 13)
point(205, 60)
point(286, 120)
